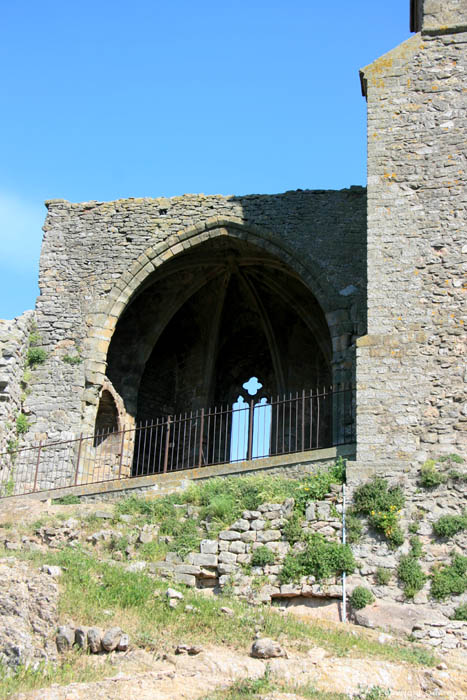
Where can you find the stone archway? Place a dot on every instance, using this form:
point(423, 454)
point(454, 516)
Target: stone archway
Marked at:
point(272, 270)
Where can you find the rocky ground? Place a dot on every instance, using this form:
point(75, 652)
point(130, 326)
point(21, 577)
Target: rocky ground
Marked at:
point(142, 675)
point(30, 614)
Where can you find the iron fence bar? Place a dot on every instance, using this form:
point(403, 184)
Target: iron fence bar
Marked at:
point(122, 445)
point(167, 438)
point(78, 457)
point(37, 465)
point(197, 439)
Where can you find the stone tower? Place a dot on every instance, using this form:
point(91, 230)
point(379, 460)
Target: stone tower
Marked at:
point(411, 366)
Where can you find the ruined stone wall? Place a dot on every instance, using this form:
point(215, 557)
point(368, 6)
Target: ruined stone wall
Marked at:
point(14, 339)
point(411, 368)
point(89, 250)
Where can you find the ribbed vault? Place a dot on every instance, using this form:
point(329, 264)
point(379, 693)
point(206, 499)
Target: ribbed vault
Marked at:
point(207, 320)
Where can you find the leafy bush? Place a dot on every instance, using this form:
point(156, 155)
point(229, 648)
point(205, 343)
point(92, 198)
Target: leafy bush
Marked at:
point(383, 576)
point(293, 528)
point(430, 476)
point(450, 525)
point(262, 557)
point(450, 580)
point(411, 574)
point(460, 613)
point(382, 506)
point(22, 424)
point(320, 558)
point(361, 597)
point(35, 356)
point(354, 528)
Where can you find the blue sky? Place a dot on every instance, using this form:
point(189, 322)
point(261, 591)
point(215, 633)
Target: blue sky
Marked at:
point(102, 100)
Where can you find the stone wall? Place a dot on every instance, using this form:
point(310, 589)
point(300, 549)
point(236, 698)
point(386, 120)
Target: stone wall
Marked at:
point(14, 339)
point(411, 369)
point(95, 256)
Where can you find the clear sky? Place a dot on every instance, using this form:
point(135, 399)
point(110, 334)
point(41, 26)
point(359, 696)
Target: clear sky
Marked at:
point(102, 100)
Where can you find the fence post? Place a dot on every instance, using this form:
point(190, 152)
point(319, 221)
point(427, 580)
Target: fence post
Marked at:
point(37, 465)
point(122, 445)
point(201, 431)
point(167, 441)
point(250, 430)
point(78, 458)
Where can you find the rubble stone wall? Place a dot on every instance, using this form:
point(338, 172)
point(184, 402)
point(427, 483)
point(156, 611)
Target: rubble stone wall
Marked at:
point(14, 337)
point(95, 255)
point(411, 369)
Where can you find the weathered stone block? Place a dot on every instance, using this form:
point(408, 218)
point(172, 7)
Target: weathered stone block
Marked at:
point(202, 559)
point(209, 547)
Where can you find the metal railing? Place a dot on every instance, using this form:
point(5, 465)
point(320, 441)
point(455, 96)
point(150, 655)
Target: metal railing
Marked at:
point(246, 430)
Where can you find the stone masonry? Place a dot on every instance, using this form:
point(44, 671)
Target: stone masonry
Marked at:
point(386, 267)
point(411, 369)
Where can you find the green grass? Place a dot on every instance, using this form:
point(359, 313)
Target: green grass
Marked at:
point(66, 500)
point(252, 688)
point(153, 625)
point(75, 668)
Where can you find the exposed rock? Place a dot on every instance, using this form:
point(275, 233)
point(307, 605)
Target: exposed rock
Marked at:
point(172, 594)
point(65, 638)
point(111, 638)
point(192, 650)
point(400, 617)
point(124, 643)
point(266, 648)
point(54, 571)
point(28, 614)
point(81, 637)
point(94, 639)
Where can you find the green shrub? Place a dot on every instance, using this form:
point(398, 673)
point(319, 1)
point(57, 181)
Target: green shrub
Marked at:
point(416, 547)
point(293, 530)
point(35, 356)
point(361, 597)
point(460, 613)
point(430, 476)
point(320, 558)
point(450, 580)
point(450, 525)
point(262, 557)
point(34, 339)
point(382, 506)
point(22, 424)
point(383, 576)
point(411, 574)
point(354, 528)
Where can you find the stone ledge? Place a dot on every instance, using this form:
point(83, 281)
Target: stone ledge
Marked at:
point(164, 483)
